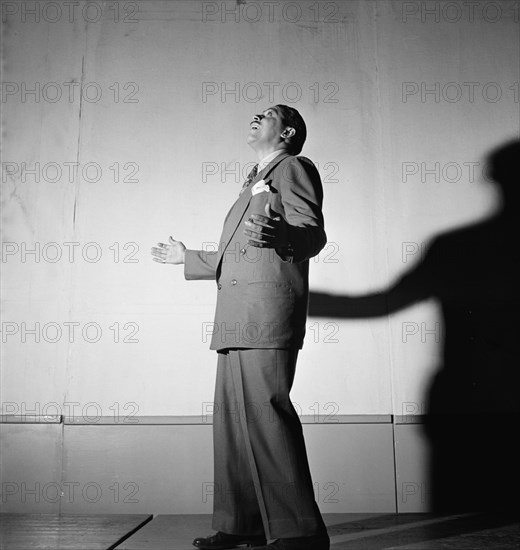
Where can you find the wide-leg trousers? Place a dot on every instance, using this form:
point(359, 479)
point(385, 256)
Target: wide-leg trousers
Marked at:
point(262, 482)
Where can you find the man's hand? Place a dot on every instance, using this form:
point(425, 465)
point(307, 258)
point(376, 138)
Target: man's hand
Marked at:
point(171, 253)
point(269, 231)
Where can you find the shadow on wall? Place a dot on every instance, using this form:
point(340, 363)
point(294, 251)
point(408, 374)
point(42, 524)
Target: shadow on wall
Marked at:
point(473, 401)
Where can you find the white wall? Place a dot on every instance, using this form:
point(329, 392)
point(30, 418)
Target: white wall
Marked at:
point(165, 127)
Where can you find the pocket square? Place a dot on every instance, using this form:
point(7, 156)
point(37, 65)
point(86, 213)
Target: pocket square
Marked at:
point(259, 187)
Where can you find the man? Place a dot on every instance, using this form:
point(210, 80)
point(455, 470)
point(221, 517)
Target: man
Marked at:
point(263, 487)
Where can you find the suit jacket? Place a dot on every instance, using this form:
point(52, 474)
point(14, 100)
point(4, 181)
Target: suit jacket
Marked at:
point(262, 297)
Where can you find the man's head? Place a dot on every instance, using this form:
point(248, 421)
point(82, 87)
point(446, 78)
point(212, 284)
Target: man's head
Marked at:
point(503, 168)
point(279, 127)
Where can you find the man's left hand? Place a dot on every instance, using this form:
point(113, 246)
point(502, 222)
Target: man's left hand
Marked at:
point(269, 231)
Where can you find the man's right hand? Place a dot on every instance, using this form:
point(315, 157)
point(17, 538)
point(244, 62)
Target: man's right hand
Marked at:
point(171, 253)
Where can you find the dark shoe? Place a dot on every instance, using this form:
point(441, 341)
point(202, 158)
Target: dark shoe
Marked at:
point(221, 541)
point(315, 542)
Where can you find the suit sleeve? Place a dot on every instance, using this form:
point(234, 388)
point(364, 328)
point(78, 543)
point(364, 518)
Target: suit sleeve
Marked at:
point(302, 199)
point(200, 264)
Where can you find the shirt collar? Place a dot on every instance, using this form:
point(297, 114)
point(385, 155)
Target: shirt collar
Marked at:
point(266, 160)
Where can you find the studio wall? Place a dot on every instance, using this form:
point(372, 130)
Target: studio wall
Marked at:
point(124, 123)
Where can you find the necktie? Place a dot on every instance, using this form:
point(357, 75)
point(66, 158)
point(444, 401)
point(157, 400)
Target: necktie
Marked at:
point(250, 177)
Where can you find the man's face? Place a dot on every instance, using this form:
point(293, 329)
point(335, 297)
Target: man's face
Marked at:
point(265, 130)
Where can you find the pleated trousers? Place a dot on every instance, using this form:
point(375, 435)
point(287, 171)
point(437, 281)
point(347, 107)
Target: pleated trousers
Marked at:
point(262, 482)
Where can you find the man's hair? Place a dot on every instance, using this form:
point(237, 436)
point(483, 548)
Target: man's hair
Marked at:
point(292, 118)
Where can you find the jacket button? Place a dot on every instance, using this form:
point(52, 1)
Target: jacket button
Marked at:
point(219, 286)
point(234, 282)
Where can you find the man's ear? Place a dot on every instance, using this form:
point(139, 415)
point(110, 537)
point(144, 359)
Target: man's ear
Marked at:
point(288, 132)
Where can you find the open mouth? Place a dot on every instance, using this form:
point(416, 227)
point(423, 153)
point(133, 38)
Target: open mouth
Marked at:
point(254, 125)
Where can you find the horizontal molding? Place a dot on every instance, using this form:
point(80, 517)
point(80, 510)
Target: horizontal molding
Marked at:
point(177, 420)
point(198, 420)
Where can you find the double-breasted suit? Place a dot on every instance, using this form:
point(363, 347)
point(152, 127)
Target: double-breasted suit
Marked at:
point(262, 298)
point(261, 475)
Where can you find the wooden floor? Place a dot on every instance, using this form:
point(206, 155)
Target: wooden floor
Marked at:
point(67, 532)
point(176, 532)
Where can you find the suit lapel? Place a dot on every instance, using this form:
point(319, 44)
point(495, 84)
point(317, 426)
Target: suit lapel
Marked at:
point(240, 206)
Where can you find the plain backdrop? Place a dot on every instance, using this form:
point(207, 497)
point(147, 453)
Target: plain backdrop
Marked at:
point(135, 130)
